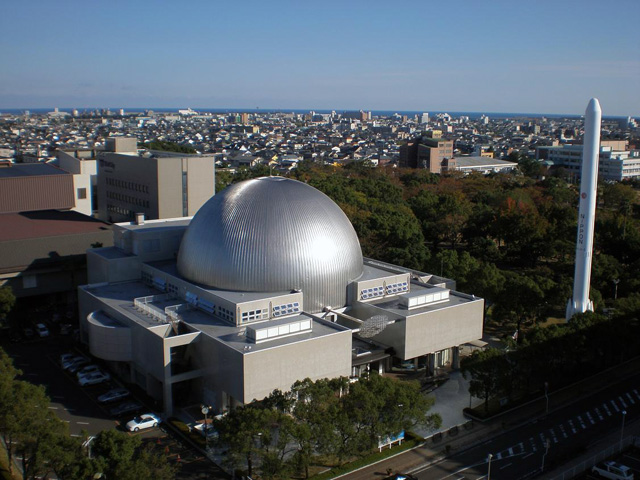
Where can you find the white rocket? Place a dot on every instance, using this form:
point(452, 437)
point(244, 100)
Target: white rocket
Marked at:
point(580, 302)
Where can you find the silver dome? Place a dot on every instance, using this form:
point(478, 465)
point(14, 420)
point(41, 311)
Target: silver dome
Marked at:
point(273, 234)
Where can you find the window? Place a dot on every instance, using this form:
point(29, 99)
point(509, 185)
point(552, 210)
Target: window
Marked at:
point(82, 193)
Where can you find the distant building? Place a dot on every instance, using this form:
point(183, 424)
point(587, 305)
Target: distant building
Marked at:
point(483, 151)
point(614, 163)
point(156, 184)
point(424, 118)
point(480, 164)
point(35, 186)
point(83, 165)
point(427, 153)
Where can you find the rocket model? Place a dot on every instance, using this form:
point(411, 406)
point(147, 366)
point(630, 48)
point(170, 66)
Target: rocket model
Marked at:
point(580, 302)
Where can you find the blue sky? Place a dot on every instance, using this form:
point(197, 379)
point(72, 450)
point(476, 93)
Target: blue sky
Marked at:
point(485, 56)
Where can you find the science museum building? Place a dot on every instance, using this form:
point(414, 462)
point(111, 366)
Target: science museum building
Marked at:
point(264, 286)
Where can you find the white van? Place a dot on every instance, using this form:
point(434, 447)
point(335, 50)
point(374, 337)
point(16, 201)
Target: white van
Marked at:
point(613, 470)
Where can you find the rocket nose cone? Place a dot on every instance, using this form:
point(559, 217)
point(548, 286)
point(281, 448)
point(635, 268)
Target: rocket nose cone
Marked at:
point(594, 105)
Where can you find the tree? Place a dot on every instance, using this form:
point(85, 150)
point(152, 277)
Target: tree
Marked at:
point(243, 431)
point(68, 459)
point(32, 427)
point(7, 302)
point(117, 455)
point(383, 406)
point(485, 368)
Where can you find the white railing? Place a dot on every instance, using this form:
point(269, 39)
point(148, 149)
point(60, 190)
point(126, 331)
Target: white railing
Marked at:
point(145, 305)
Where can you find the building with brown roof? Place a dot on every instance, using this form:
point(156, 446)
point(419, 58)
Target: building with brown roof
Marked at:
point(44, 252)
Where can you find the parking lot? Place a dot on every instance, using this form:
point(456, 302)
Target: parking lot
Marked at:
point(39, 360)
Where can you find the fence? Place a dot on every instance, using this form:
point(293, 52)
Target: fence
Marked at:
point(585, 465)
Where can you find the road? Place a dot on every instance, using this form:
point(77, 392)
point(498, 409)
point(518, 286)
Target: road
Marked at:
point(518, 454)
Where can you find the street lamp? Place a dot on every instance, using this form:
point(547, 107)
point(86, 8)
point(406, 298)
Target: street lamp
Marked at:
point(547, 444)
point(546, 395)
point(489, 457)
point(624, 414)
point(205, 409)
point(615, 288)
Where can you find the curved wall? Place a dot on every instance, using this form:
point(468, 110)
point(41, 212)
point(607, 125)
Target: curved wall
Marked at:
point(108, 339)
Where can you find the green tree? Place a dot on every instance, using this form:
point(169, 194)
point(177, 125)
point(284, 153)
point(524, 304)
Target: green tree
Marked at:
point(485, 368)
point(7, 302)
point(244, 431)
point(118, 455)
point(32, 427)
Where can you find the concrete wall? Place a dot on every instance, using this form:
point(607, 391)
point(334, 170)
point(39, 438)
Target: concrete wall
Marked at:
point(201, 182)
point(101, 268)
point(434, 331)
point(281, 366)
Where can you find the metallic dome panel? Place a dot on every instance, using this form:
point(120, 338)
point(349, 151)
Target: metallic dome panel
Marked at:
point(273, 234)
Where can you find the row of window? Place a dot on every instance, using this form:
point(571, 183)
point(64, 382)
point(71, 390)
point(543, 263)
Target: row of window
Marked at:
point(137, 187)
point(211, 308)
point(226, 314)
point(286, 309)
point(252, 315)
point(120, 211)
point(379, 291)
point(128, 199)
point(397, 287)
point(373, 292)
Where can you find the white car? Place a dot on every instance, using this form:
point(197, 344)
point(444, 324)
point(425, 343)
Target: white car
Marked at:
point(42, 330)
point(613, 470)
point(93, 378)
point(146, 420)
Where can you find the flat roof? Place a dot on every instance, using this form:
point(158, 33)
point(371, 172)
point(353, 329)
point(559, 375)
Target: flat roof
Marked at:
point(482, 162)
point(163, 222)
point(119, 297)
point(30, 170)
point(47, 223)
point(395, 307)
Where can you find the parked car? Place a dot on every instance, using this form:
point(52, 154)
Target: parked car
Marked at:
point(87, 369)
point(68, 364)
point(79, 364)
point(613, 470)
point(94, 378)
point(27, 333)
point(146, 420)
point(66, 329)
point(125, 407)
point(206, 430)
point(401, 476)
point(65, 357)
point(114, 395)
point(42, 330)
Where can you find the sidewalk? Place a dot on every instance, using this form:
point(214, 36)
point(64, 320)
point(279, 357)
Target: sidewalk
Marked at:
point(449, 443)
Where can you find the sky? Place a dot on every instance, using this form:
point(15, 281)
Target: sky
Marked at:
point(514, 56)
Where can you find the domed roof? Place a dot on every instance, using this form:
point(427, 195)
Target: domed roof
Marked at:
point(273, 234)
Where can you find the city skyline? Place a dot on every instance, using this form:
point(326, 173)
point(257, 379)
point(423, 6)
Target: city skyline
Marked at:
point(492, 57)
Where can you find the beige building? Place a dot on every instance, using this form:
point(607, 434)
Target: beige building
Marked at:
point(156, 184)
point(425, 152)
